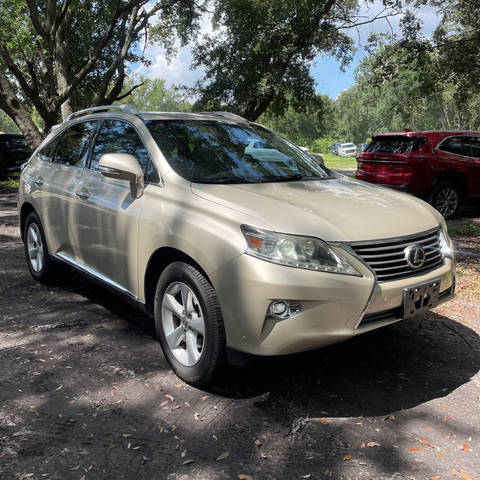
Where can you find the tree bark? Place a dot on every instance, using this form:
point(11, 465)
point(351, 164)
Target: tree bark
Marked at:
point(10, 104)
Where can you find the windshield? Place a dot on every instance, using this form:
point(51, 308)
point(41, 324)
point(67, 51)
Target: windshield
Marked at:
point(223, 152)
point(348, 145)
point(395, 144)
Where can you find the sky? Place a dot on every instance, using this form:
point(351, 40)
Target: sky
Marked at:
point(326, 70)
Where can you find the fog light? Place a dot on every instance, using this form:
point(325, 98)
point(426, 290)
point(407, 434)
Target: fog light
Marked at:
point(278, 308)
point(284, 309)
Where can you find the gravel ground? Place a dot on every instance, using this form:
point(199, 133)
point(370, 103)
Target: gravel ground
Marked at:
point(85, 393)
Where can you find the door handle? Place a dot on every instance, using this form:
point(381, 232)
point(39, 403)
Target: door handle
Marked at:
point(38, 181)
point(83, 194)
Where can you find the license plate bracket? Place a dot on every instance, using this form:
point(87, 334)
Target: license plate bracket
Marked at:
point(420, 298)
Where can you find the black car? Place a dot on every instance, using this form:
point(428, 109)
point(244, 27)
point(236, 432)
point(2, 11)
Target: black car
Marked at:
point(13, 152)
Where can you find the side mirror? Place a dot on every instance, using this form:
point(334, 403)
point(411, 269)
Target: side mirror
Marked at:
point(124, 167)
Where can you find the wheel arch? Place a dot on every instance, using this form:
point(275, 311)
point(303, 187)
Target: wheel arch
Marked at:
point(25, 211)
point(456, 178)
point(159, 260)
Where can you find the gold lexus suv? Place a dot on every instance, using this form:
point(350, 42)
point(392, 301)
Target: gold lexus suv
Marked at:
point(237, 242)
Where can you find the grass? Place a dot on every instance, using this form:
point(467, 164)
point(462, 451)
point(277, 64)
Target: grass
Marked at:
point(11, 181)
point(463, 228)
point(341, 163)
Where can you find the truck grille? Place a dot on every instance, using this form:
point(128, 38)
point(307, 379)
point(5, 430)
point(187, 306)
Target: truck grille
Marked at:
point(388, 257)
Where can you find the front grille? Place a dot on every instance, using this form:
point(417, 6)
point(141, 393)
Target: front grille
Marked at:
point(387, 258)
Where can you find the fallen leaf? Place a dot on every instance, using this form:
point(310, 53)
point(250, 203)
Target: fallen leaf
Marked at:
point(454, 471)
point(340, 442)
point(390, 417)
point(443, 405)
point(373, 444)
point(362, 445)
point(237, 426)
point(444, 419)
point(223, 456)
point(204, 397)
point(126, 435)
point(465, 475)
point(177, 407)
point(258, 443)
point(264, 455)
point(148, 374)
point(347, 457)
point(157, 387)
point(413, 449)
point(244, 476)
point(170, 397)
point(306, 475)
point(436, 477)
point(424, 442)
point(83, 453)
point(82, 477)
point(440, 454)
point(186, 462)
point(163, 403)
point(56, 390)
point(324, 420)
point(465, 447)
point(76, 467)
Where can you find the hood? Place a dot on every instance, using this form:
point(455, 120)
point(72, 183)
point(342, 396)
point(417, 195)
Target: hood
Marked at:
point(340, 209)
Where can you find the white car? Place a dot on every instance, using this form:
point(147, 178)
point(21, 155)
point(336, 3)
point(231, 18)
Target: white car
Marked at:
point(347, 150)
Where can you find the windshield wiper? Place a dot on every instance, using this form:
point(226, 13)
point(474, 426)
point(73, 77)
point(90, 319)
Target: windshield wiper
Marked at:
point(223, 180)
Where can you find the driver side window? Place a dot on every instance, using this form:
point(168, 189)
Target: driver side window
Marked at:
point(117, 136)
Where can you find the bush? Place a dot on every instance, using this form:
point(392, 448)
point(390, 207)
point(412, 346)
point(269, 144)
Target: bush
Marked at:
point(321, 145)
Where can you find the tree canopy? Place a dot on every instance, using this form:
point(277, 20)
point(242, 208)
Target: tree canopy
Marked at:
point(60, 55)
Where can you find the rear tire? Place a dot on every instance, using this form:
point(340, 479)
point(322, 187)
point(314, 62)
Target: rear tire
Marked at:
point(189, 324)
point(447, 198)
point(39, 263)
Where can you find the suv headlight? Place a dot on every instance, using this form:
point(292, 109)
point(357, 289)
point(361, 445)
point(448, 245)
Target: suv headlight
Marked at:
point(295, 251)
point(445, 242)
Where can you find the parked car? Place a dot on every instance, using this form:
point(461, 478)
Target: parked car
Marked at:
point(13, 152)
point(334, 148)
point(234, 256)
point(346, 150)
point(361, 148)
point(440, 167)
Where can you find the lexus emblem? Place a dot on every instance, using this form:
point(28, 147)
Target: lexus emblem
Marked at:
point(415, 256)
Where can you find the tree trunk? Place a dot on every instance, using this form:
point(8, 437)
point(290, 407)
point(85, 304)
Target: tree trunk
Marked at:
point(61, 39)
point(10, 104)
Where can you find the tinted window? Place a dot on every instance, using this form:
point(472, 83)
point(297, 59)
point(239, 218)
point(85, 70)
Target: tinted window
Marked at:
point(46, 153)
point(116, 136)
point(72, 146)
point(222, 152)
point(395, 144)
point(475, 146)
point(457, 145)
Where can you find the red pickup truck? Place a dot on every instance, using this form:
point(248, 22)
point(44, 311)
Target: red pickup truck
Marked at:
point(441, 167)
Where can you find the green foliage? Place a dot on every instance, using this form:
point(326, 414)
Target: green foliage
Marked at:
point(322, 145)
point(260, 56)
point(7, 125)
point(153, 95)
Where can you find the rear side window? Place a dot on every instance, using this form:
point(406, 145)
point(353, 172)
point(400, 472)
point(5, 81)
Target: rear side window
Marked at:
point(116, 136)
point(395, 144)
point(457, 145)
point(72, 147)
point(475, 146)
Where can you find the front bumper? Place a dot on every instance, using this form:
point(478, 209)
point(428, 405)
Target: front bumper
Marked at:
point(333, 307)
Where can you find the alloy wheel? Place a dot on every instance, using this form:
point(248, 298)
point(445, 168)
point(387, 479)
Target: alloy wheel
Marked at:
point(183, 323)
point(35, 248)
point(447, 201)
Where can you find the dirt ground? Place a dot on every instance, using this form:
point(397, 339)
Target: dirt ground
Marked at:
point(85, 393)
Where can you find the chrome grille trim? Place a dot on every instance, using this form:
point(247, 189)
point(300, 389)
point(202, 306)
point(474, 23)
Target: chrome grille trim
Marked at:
point(387, 257)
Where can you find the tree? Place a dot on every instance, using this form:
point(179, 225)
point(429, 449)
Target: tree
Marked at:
point(60, 55)
point(153, 94)
point(260, 55)
point(303, 127)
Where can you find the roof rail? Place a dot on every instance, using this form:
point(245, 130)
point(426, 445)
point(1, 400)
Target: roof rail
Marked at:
point(86, 111)
point(230, 115)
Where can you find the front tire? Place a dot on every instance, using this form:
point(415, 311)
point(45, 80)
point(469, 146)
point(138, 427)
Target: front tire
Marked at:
point(39, 263)
point(447, 199)
point(189, 324)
